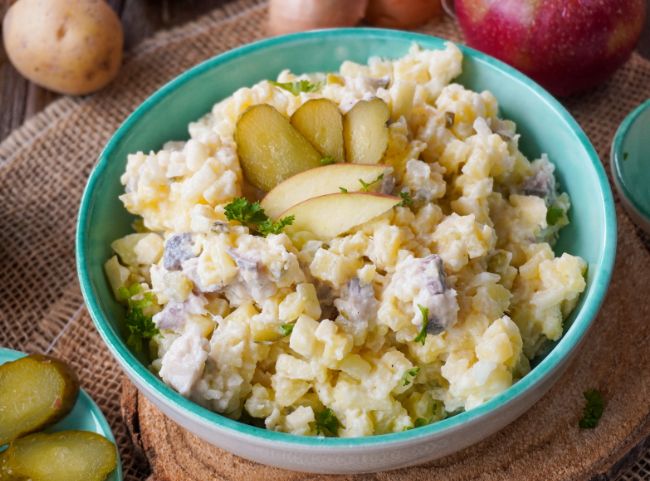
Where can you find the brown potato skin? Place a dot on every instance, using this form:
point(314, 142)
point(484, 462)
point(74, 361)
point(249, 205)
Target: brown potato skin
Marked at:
point(68, 46)
point(64, 404)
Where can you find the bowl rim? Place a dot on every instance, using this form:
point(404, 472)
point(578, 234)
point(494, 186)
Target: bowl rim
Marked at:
point(617, 156)
point(165, 394)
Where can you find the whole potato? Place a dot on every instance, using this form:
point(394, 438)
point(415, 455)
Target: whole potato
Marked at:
point(69, 46)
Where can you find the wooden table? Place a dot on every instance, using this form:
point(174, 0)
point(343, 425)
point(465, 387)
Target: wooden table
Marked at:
point(20, 99)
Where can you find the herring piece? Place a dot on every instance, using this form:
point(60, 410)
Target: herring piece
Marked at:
point(422, 282)
point(178, 248)
point(357, 307)
point(183, 363)
point(174, 314)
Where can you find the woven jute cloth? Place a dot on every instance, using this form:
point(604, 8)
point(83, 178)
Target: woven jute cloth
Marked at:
point(44, 166)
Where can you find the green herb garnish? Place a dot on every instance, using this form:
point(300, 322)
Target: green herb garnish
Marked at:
point(327, 160)
point(140, 325)
point(343, 190)
point(409, 376)
point(450, 118)
point(422, 335)
point(287, 329)
point(327, 423)
point(407, 200)
point(365, 186)
point(269, 227)
point(298, 86)
point(593, 410)
point(253, 216)
point(420, 422)
point(554, 214)
point(625, 155)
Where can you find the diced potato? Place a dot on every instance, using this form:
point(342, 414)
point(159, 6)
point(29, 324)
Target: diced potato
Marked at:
point(62, 456)
point(270, 149)
point(355, 366)
point(365, 132)
point(303, 336)
point(320, 121)
point(125, 247)
point(35, 392)
point(205, 324)
point(117, 274)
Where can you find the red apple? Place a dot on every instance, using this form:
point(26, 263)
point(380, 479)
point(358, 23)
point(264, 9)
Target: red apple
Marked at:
point(566, 45)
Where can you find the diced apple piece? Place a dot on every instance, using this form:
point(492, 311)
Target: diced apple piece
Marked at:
point(330, 215)
point(270, 149)
point(365, 132)
point(329, 179)
point(320, 122)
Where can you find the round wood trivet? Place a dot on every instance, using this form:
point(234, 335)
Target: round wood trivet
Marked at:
point(545, 444)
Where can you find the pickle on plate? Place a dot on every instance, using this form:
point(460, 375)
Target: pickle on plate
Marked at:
point(62, 456)
point(270, 148)
point(35, 392)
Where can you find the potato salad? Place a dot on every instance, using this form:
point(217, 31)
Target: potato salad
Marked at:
point(345, 254)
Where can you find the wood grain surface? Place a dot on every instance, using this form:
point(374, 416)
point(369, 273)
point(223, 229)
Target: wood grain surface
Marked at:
point(20, 99)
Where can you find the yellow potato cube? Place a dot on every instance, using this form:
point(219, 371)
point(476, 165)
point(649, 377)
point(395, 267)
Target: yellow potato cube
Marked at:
point(303, 336)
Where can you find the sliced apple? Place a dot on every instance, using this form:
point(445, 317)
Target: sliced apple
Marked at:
point(365, 132)
point(329, 179)
point(270, 149)
point(333, 214)
point(320, 122)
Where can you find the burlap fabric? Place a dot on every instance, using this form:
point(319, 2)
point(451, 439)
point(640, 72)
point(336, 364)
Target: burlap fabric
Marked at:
point(45, 163)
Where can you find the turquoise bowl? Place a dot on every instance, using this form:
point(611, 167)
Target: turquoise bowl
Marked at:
point(85, 415)
point(630, 158)
point(545, 127)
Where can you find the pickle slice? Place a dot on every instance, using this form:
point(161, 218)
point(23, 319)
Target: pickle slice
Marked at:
point(62, 456)
point(35, 392)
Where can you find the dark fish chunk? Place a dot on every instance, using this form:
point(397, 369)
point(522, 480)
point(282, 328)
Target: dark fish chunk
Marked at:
point(178, 248)
point(435, 326)
point(437, 284)
point(243, 262)
point(542, 184)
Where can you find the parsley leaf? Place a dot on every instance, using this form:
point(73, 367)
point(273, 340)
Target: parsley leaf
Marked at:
point(409, 376)
point(343, 190)
point(245, 212)
point(287, 329)
point(593, 410)
point(422, 335)
point(554, 214)
point(365, 186)
point(450, 118)
point(407, 200)
point(625, 155)
point(327, 160)
point(140, 325)
point(420, 422)
point(298, 86)
point(269, 227)
point(253, 216)
point(327, 423)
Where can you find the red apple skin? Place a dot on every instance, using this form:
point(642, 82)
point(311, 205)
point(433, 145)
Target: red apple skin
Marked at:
point(568, 46)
